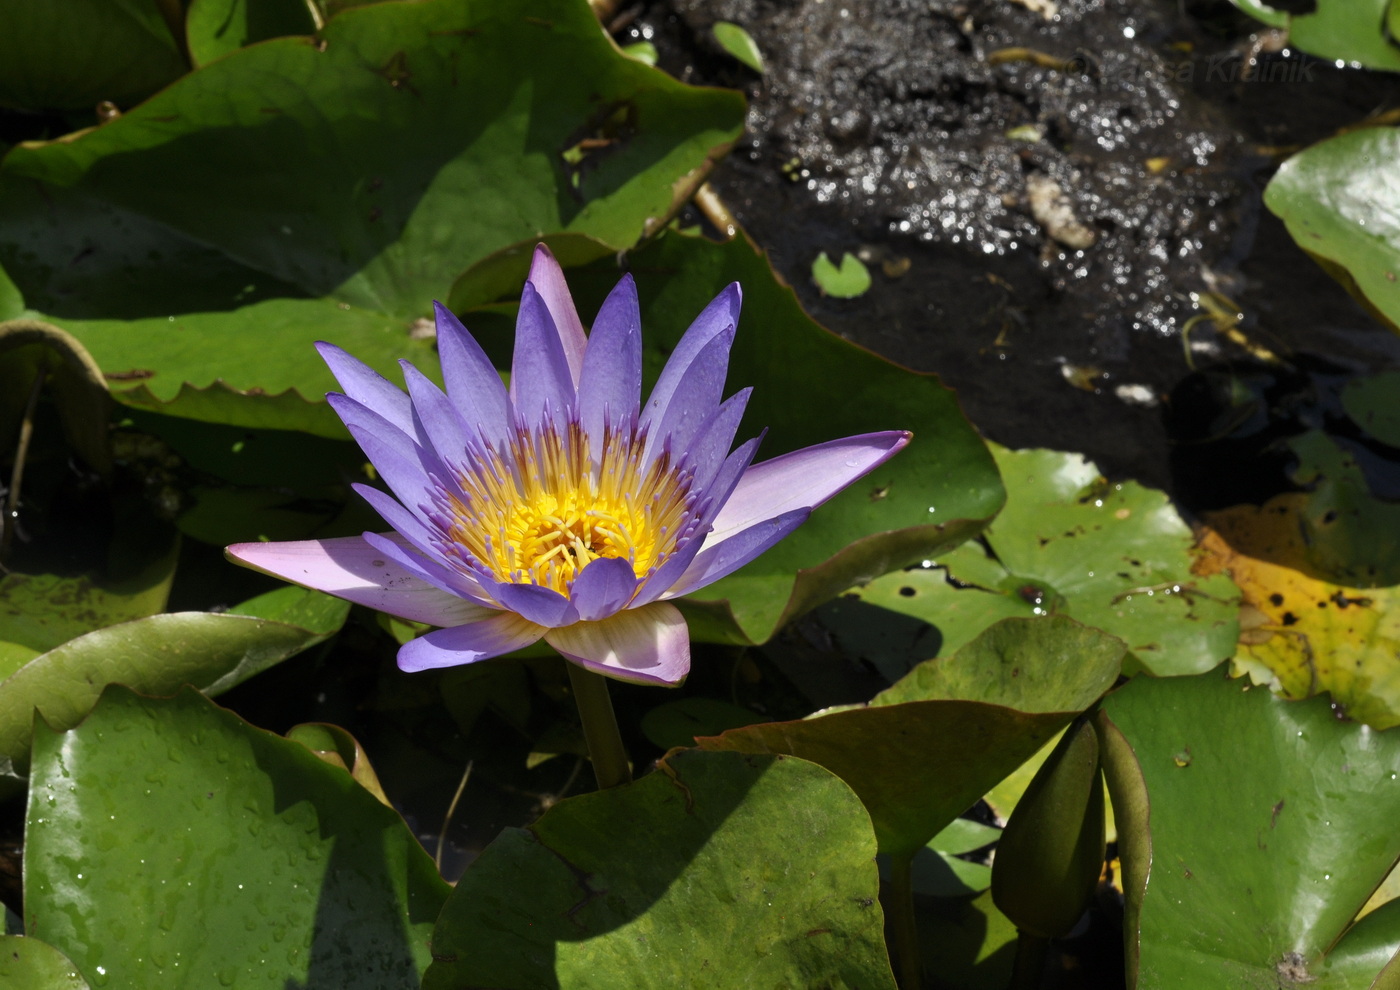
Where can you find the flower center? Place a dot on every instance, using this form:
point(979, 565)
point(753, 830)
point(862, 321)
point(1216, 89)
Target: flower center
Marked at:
point(540, 511)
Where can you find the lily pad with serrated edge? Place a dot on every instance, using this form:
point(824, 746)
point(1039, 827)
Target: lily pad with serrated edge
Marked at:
point(1068, 542)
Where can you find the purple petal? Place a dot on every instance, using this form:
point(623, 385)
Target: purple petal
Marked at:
point(693, 401)
point(473, 384)
point(437, 418)
point(611, 385)
point(501, 633)
point(404, 466)
point(678, 562)
point(647, 645)
point(803, 479)
point(367, 386)
point(721, 559)
point(710, 446)
point(603, 587)
point(542, 605)
point(423, 539)
point(424, 567)
point(548, 279)
point(350, 568)
point(540, 378)
point(721, 314)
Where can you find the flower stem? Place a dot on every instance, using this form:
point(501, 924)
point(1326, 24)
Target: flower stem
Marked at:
point(899, 905)
point(610, 765)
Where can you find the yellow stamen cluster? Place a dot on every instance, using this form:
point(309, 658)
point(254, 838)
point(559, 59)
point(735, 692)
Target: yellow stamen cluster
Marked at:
point(539, 511)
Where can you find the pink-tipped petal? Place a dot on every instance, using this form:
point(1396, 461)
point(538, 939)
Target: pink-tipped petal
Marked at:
point(548, 279)
point(491, 637)
point(647, 645)
point(723, 559)
point(367, 386)
point(540, 379)
point(803, 479)
point(350, 568)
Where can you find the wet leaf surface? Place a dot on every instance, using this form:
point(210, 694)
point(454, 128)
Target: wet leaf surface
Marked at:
point(29, 964)
point(733, 857)
point(936, 741)
point(1310, 802)
point(158, 821)
point(1114, 556)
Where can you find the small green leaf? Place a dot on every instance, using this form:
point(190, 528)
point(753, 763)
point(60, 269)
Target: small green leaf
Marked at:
point(1339, 202)
point(739, 871)
point(851, 279)
point(643, 51)
point(737, 42)
point(29, 964)
point(1373, 403)
point(306, 878)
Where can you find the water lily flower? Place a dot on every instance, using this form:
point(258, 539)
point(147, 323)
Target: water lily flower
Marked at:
point(563, 508)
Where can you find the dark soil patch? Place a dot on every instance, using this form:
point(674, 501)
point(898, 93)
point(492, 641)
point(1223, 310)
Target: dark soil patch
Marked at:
point(884, 128)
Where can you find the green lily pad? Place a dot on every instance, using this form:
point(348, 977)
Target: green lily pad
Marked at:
point(387, 184)
point(1349, 30)
point(932, 496)
point(29, 964)
point(923, 751)
point(739, 871)
point(845, 281)
point(214, 28)
point(739, 43)
point(1340, 203)
point(971, 943)
point(157, 822)
point(156, 655)
point(71, 54)
point(1256, 830)
point(1114, 556)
